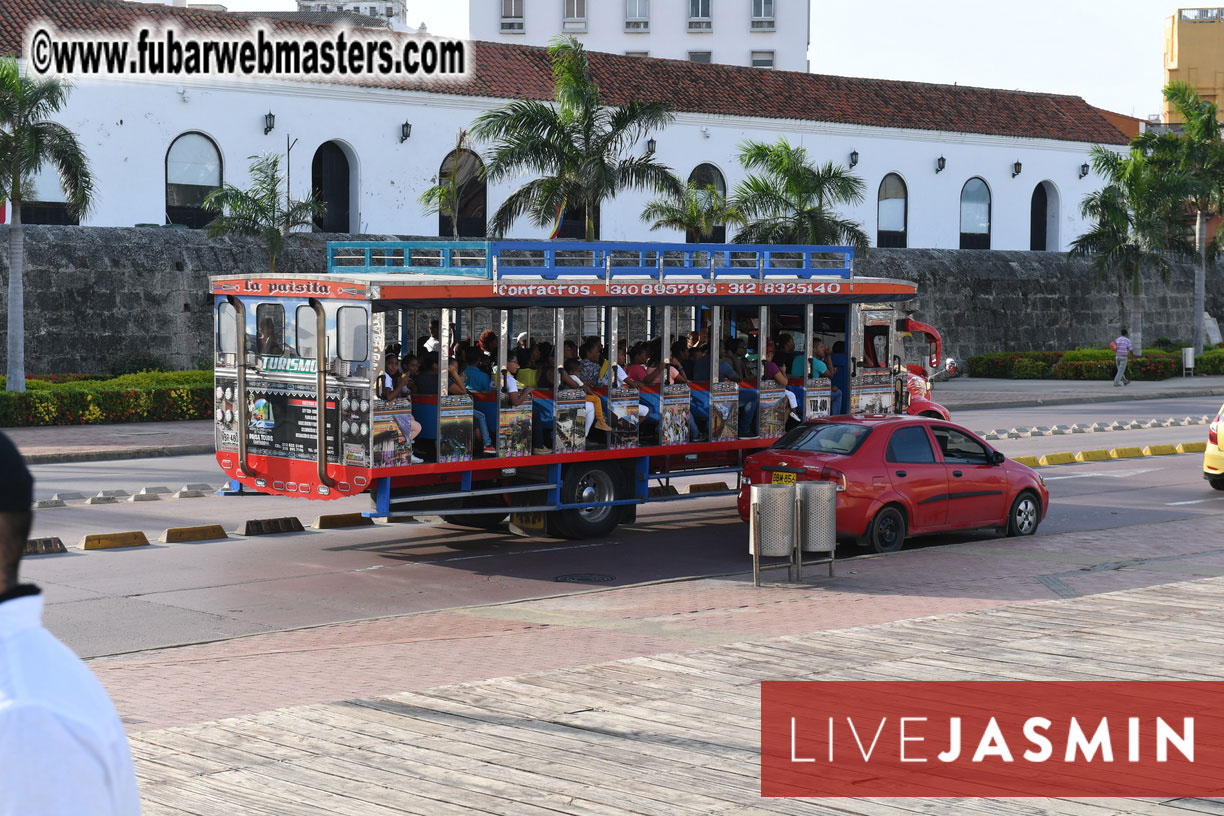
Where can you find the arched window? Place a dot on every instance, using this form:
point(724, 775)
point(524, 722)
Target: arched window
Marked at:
point(331, 181)
point(893, 212)
point(193, 170)
point(707, 175)
point(473, 194)
point(45, 202)
point(975, 215)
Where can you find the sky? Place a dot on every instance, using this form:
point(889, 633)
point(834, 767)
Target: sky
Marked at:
point(1110, 52)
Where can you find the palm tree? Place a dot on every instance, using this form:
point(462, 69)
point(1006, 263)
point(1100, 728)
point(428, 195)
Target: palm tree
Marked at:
point(1198, 156)
point(1136, 216)
point(577, 147)
point(27, 141)
point(445, 196)
point(258, 211)
point(698, 210)
point(791, 201)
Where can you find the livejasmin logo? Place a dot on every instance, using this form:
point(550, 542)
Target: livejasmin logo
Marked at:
point(1007, 738)
point(994, 743)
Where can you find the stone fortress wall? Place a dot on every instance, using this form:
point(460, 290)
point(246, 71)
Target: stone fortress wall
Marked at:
point(93, 294)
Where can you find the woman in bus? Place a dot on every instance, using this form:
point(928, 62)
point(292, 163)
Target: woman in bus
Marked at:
point(773, 372)
point(571, 378)
point(527, 357)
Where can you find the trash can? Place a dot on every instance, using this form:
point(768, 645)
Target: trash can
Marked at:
point(1187, 360)
point(772, 520)
point(816, 504)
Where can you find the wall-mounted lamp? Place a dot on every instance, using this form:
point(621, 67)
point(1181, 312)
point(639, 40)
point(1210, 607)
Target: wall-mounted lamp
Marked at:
point(854, 157)
point(269, 122)
point(1084, 168)
point(405, 132)
point(705, 131)
point(1016, 168)
point(940, 164)
point(650, 145)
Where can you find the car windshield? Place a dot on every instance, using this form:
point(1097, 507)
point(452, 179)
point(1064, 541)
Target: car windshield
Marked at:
point(824, 437)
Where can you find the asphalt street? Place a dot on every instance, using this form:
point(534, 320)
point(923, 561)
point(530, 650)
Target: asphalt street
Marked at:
point(105, 602)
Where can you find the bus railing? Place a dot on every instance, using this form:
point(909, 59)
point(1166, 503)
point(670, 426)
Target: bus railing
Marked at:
point(602, 260)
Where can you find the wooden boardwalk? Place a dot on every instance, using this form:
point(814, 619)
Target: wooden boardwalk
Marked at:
point(674, 734)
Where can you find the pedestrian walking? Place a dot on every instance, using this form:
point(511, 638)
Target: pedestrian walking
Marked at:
point(1122, 355)
point(62, 748)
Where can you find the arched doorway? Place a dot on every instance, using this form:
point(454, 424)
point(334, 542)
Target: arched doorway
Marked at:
point(975, 215)
point(707, 175)
point(472, 195)
point(329, 178)
point(1043, 218)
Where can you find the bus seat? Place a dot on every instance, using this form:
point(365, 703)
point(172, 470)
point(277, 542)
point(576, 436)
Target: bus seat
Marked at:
point(699, 398)
point(425, 409)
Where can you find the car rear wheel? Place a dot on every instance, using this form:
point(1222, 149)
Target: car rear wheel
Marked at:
point(1217, 482)
point(1024, 516)
point(887, 531)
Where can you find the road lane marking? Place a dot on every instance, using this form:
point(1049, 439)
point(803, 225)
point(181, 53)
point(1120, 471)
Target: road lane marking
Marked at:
point(1195, 501)
point(1117, 474)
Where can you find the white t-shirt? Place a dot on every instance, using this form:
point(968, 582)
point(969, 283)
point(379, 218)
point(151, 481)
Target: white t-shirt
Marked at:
point(62, 746)
point(621, 376)
point(432, 344)
point(512, 385)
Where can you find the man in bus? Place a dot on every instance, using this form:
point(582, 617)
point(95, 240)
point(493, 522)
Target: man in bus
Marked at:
point(393, 386)
point(432, 342)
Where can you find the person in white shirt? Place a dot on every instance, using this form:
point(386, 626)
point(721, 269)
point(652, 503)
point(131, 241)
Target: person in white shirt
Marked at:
point(432, 343)
point(62, 748)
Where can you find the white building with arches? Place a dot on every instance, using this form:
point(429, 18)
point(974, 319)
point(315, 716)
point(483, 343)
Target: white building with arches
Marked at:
point(944, 166)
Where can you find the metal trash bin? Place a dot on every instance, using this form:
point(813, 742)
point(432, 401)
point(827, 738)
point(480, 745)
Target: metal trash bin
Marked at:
point(772, 520)
point(816, 506)
point(1187, 360)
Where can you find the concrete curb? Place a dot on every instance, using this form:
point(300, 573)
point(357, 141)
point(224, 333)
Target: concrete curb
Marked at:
point(1033, 403)
point(117, 453)
point(205, 532)
point(1110, 455)
point(108, 541)
point(1100, 427)
point(335, 521)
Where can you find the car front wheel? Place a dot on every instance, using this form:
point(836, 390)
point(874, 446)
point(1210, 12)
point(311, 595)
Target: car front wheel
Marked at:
point(1024, 516)
point(887, 531)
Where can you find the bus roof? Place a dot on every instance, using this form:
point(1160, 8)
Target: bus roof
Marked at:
point(558, 273)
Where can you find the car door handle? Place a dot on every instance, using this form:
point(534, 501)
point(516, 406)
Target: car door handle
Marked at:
point(901, 473)
point(956, 473)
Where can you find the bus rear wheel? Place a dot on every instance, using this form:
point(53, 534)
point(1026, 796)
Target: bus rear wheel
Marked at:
point(583, 483)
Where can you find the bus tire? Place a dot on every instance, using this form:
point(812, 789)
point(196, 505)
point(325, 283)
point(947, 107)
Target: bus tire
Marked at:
point(589, 482)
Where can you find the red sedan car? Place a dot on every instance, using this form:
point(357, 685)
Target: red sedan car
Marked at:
point(899, 475)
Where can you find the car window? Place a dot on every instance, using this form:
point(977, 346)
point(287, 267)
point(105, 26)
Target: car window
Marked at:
point(824, 437)
point(959, 448)
point(910, 445)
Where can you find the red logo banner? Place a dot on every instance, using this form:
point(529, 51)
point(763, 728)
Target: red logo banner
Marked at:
point(894, 738)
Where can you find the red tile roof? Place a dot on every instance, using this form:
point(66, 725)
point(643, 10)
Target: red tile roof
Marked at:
point(503, 71)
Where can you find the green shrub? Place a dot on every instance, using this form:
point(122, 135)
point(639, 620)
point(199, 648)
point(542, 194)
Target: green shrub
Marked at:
point(1209, 363)
point(1027, 368)
point(136, 362)
point(1140, 368)
point(144, 397)
point(1000, 364)
point(1079, 355)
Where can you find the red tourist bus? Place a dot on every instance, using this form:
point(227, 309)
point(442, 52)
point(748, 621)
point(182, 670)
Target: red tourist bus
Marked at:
point(281, 342)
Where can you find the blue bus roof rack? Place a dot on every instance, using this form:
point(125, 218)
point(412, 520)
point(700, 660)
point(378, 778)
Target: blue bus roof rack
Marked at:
point(603, 260)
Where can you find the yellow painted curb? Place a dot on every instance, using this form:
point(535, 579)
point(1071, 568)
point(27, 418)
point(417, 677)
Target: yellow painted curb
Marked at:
point(177, 535)
point(108, 541)
point(1192, 447)
point(1159, 450)
point(1125, 453)
point(706, 487)
point(336, 520)
point(1063, 458)
point(1031, 461)
point(1092, 456)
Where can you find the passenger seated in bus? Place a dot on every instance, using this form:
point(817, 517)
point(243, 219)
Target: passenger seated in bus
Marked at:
point(488, 348)
point(511, 387)
point(545, 365)
point(431, 343)
point(820, 364)
point(594, 413)
point(427, 379)
point(786, 354)
point(588, 361)
point(679, 354)
point(522, 341)
point(772, 372)
point(391, 388)
point(410, 367)
point(269, 341)
point(526, 359)
point(637, 369)
point(474, 376)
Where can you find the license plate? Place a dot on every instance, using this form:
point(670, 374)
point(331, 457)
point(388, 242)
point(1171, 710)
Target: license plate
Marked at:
point(783, 478)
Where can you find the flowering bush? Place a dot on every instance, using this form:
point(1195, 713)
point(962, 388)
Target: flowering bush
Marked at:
point(1157, 367)
point(144, 397)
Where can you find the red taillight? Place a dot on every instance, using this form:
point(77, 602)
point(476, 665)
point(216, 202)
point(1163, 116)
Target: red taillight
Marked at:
point(827, 474)
point(1211, 433)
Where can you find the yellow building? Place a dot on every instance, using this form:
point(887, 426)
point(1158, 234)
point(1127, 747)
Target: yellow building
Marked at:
point(1194, 53)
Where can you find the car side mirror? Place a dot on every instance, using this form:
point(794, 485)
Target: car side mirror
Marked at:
point(997, 458)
